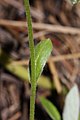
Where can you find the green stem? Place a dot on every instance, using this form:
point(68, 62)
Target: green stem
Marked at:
point(32, 56)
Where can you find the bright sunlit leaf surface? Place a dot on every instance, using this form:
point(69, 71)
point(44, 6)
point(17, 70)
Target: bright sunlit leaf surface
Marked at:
point(71, 109)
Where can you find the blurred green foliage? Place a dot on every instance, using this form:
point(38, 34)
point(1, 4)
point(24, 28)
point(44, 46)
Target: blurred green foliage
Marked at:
point(75, 1)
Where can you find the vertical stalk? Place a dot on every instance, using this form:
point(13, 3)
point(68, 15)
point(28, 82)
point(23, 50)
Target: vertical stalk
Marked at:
point(32, 56)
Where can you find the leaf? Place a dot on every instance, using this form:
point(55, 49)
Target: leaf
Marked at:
point(42, 52)
point(50, 109)
point(71, 108)
point(22, 73)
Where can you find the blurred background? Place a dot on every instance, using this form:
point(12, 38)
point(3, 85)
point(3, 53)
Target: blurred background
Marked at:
point(58, 20)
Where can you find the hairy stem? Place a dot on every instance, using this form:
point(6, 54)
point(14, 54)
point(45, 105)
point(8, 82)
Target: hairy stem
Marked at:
point(32, 56)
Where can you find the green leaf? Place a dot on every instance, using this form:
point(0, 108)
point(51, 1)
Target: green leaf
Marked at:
point(42, 52)
point(71, 108)
point(20, 71)
point(50, 109)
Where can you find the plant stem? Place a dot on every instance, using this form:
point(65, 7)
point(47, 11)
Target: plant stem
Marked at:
point(32, 56)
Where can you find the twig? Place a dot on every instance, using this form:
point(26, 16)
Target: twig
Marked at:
point(42, 26)
point(66, 57)
point(54, 59)
point(38, 35)
point(21, 62)
point(34, 12)
point(14, 3)
point(55, 76)
point(16, 116)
